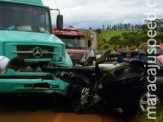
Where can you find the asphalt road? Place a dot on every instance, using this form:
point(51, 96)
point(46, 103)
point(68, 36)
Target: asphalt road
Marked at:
point(48, 116)
point(32, 110)
point(94, 39)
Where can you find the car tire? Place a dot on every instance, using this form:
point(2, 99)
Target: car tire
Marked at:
point(141, 101)
point(129, 111)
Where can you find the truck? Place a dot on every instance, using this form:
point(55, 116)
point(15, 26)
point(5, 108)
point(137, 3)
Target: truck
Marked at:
point(74, 41)
point(26, 32)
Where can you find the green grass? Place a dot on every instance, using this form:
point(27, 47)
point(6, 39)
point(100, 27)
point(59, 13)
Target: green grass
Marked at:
point(87, 34)
point(159, 117)
point(145, 119)
point(104, 36)
point(107, 34)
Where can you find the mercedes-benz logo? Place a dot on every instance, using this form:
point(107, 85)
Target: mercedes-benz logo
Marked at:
point(37, 52)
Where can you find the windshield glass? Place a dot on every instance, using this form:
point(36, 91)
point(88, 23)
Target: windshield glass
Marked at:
point(18, 17)
point(74, 42)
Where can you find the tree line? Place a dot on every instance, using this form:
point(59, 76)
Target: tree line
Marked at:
point(120, 26)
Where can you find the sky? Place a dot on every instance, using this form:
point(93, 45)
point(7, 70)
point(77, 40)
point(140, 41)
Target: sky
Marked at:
point(95, 13)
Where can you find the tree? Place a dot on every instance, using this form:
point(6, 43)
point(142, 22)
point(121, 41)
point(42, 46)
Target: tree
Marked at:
point(98, 30)
point(132, 27)
point(115, 40)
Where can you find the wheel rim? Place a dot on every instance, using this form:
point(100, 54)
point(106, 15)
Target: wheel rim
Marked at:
point(143, 101)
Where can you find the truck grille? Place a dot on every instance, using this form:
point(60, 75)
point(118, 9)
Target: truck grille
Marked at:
point(38, 86)
point(41, 86)
point(34, 51)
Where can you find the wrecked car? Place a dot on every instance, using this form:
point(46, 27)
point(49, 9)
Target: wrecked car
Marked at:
point(104, 86)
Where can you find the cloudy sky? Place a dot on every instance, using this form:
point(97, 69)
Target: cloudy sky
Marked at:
point(95, 13)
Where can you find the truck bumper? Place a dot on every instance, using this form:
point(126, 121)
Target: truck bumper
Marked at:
point(34, 86)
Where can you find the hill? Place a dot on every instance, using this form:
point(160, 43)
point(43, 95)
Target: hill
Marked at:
point(103, 37)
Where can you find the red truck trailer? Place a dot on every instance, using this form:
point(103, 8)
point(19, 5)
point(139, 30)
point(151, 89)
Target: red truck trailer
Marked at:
point(74, 41)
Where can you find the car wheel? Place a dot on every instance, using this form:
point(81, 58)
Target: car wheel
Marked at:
point(129, 110)
point(142, 103)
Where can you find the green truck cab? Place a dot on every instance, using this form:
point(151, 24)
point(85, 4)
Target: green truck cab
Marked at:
point(26, 31)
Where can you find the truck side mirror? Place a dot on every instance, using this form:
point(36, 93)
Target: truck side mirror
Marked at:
point(59, 22)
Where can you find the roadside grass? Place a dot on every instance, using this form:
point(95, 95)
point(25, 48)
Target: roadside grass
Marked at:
point(143, 117)
point(107, 34)
point(87, 34)
point(104, 36)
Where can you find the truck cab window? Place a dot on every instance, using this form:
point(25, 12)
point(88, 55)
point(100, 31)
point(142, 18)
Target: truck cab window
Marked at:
point(74, 42)
point(16, 17)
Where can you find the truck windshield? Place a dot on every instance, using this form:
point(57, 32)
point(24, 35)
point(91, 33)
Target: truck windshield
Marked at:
point(19, 17)
point(74, 42)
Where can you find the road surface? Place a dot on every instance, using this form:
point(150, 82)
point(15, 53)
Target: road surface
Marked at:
point(48, 116)
point(94, 39)
point(31, 110)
